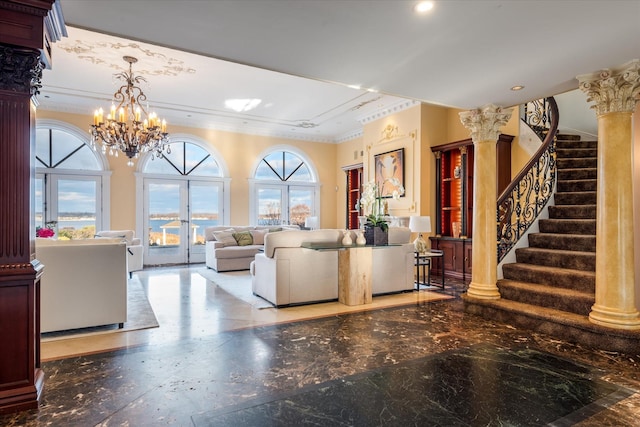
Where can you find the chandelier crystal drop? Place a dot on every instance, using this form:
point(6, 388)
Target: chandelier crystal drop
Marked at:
point(128, 126)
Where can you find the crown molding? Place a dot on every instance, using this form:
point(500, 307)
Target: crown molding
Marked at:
point(384, 112)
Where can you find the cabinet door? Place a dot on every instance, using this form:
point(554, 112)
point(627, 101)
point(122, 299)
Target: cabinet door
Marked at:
point(449, 255)
point(467, 261)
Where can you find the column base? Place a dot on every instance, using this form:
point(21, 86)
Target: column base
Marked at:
point(23, 398)
point(482, 291)
point(616, 319)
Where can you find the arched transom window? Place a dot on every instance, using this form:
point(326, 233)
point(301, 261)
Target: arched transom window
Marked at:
point(284, 166)
point(184, 159)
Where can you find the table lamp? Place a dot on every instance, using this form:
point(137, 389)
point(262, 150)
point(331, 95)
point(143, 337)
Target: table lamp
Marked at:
point(420, 224)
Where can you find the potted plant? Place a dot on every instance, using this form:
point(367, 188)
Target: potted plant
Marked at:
point(376, 226)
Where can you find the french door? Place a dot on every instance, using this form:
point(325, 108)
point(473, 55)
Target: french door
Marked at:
point(70, 204)
point(176, 212)
point(284, 204)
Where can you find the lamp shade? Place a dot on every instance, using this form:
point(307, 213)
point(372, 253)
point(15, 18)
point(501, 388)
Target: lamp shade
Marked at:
point(420, 224)
point(311, 222)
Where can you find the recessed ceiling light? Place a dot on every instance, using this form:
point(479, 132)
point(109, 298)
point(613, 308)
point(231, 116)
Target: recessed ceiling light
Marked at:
point(423, 7)
point(242, 105)
point(517, 87)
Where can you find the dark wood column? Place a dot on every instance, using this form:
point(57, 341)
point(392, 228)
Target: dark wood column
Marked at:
point(22, 38)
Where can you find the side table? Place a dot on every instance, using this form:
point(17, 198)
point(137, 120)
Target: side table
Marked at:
point(423, 264)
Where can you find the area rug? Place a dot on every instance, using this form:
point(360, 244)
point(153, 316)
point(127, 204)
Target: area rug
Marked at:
point(236, 283)
point(140, 315)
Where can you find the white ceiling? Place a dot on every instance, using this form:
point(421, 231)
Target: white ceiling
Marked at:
point(300, 56)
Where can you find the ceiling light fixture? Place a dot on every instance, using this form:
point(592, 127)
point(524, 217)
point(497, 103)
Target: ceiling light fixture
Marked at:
point(423, 7)
point(125, 128)
point(517, 87)
point(242, 105)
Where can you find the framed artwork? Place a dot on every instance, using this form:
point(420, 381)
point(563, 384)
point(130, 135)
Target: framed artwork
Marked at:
point(387, 166)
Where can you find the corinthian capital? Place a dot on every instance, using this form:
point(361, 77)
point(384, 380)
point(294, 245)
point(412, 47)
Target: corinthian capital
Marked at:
point(20, 70)
point(614, 90)
point(485, 122)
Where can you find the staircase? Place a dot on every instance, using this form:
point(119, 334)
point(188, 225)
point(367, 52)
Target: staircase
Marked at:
point(551, 286)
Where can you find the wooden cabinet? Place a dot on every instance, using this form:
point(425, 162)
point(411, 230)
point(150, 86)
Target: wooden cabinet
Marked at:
point(454, 201)
point(454, 189)
point(456, 257)
point(354, 187)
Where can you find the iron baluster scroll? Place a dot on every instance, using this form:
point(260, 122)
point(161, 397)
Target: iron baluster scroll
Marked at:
point(538, 116)
point(523, 200)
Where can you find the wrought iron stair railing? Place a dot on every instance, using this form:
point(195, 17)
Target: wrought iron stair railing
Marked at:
point(523, 200)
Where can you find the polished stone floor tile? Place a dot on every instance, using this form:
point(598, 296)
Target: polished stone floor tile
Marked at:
point(421, 363)
point(455, 388)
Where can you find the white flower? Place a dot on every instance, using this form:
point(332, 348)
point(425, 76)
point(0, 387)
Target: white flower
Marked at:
point(372, 197)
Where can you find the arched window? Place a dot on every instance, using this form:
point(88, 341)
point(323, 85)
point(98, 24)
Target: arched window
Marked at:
point(284, 188)
point(180, 194)
point(184, 159)
point(72, 182)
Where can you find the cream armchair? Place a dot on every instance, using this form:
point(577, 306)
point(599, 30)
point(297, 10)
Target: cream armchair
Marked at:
point(286, 273)
point(84, 283)
point(134, 247)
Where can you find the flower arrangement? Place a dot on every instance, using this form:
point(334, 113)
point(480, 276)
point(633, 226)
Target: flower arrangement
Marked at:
point(372, 197)
point(45, 232)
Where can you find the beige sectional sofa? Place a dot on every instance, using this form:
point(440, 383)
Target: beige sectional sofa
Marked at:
point(224, 252)
point(287, 273)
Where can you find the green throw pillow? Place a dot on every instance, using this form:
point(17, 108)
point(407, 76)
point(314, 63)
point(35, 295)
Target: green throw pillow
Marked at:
point(243, 238)
point(274, 229)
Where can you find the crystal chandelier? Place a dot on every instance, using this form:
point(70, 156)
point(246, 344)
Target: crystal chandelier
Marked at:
point(125, 128)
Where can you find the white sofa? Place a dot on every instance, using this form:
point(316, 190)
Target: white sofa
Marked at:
point(286, 273)
point(227, 254)
point(84, 283)
point(134, 247)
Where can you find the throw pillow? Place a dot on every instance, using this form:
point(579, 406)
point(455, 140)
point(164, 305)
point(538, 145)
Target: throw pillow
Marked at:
point(243, 238)
point(274, 229)
point(258, 236)
point(225, 237)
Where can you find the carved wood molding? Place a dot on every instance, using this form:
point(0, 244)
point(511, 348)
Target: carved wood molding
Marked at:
point(20, 70)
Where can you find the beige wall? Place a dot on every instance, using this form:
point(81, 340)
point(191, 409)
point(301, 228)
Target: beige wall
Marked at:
point(399, 130)
point(434, 131)
point(240, 152)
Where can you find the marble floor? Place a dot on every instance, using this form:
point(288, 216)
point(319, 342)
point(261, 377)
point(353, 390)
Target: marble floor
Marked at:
point(410, 359)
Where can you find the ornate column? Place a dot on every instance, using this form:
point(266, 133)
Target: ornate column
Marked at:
point(615, 93)
point(484, 124)
point(21, 40)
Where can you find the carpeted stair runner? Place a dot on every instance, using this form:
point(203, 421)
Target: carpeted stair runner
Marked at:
point(551, 286)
